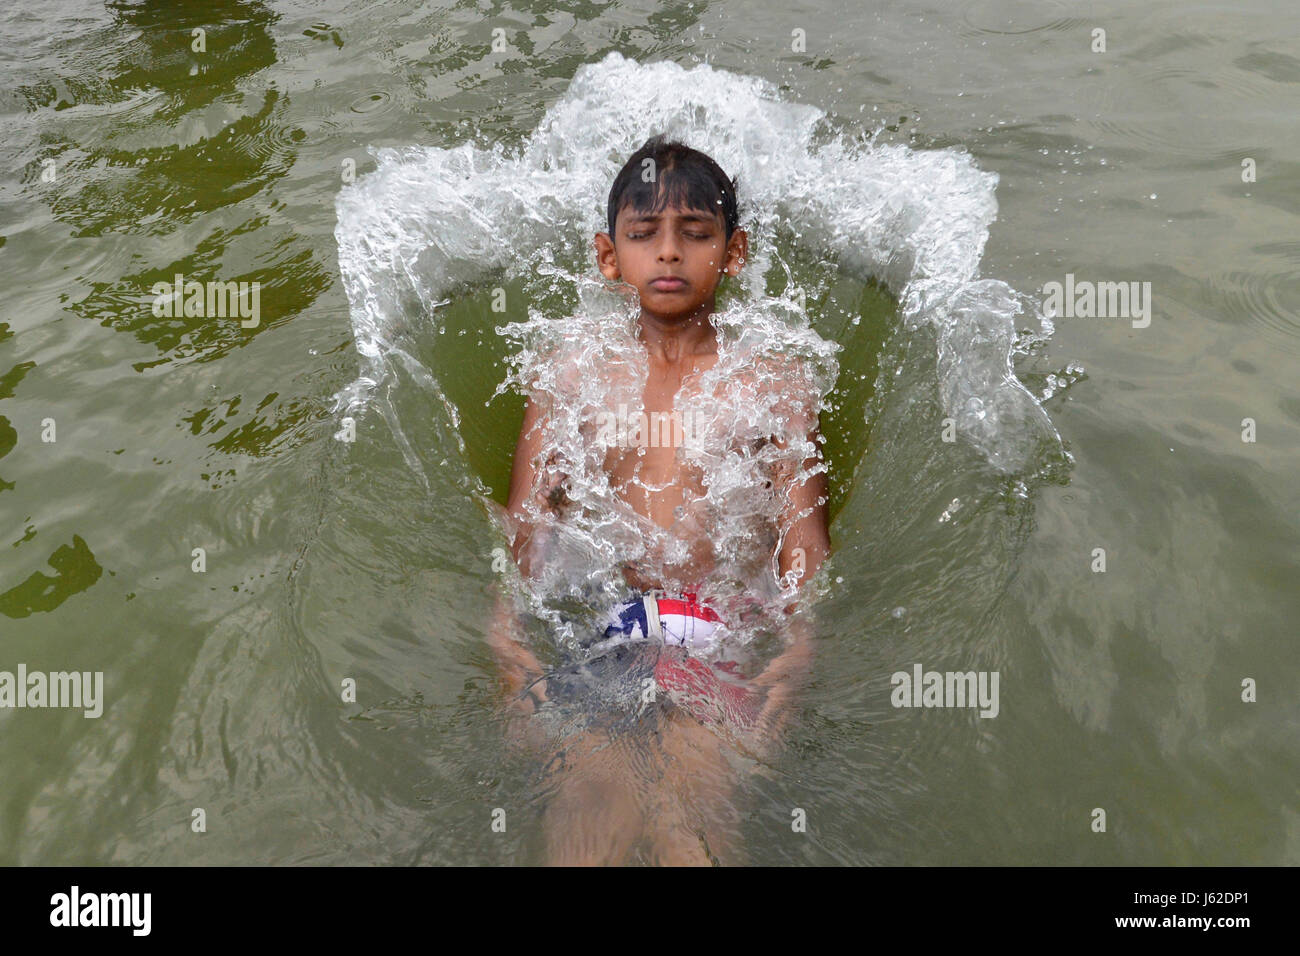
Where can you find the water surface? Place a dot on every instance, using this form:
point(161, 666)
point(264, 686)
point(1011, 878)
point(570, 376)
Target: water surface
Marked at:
point(372, 560)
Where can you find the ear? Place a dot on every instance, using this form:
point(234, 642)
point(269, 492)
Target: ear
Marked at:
point(607, 257)
point(737, 252)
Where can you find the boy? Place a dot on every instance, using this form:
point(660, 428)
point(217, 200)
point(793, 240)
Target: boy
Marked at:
point(673, 234)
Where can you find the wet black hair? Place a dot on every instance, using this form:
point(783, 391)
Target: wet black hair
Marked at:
point(684, 177)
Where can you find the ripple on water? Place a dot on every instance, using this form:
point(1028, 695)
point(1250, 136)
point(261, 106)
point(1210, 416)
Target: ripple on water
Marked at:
point(267, 142)
point(313, 134)
point(375, 101)
point(1018, 16)
point(1265, 298)
point(100, 262)
point(1153, 119)
point(1278, 67)
point(1153, 108)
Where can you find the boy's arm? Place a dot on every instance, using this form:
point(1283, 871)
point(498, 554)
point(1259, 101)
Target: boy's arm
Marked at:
point(807, 541)
point(519, 666)
point(525, 503)
point(803, 549)
point(534, 501)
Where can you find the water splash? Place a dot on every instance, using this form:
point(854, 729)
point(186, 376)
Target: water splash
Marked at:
point(430, 219)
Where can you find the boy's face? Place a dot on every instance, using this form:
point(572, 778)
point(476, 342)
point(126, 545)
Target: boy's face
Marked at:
point(650, 249)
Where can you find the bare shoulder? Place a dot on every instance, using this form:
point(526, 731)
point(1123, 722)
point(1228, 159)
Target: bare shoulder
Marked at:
point(569, 361)
point(783, 383)
point(577, 369)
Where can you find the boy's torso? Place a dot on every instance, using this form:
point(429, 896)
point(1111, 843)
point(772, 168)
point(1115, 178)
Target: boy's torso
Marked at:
point(653, 468)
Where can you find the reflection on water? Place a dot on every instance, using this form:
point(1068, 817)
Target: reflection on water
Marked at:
point(77, 571)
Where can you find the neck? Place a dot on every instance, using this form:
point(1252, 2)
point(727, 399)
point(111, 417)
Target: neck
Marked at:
point(672, 339)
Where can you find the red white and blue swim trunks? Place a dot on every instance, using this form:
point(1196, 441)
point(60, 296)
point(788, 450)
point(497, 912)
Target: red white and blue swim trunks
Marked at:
point(653, 637)
point(678, 621)
point(706, 690)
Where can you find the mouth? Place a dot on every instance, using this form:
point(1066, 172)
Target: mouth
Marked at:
point(668, 283)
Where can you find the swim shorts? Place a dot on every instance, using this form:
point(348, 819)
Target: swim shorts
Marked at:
point(645, 665)
point(680, 621)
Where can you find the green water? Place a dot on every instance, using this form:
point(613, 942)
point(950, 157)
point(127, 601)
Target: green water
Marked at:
point(327, 561)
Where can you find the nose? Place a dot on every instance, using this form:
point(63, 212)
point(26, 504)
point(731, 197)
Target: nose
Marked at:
point(668, 250)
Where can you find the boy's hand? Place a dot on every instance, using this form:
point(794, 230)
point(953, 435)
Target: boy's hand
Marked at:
point(521, 731)
point(520, 671)
point(783, 679)
point(555, 490)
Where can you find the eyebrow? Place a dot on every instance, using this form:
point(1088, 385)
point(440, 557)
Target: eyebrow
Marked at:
point(687, 217)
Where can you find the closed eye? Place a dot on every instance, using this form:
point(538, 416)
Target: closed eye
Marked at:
point(689, 235)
